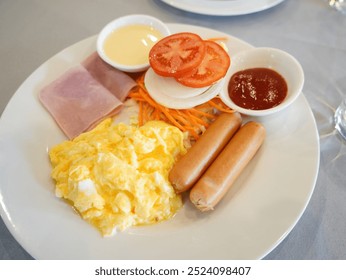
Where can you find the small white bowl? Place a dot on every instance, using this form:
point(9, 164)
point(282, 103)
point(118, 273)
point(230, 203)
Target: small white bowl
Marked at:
point(281, 62)
point(126, 21)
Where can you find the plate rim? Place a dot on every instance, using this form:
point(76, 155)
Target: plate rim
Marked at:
point(223, 8)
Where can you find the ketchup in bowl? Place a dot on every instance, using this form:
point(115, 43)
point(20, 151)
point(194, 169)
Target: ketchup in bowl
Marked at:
point(257, 88)
point(262, 81)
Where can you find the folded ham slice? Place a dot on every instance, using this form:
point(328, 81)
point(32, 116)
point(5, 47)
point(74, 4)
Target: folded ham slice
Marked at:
point(85, 95)
point(77, 101)
point(116, 81)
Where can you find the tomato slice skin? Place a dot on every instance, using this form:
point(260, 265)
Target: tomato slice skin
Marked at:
point(177, 54)
point(213, 67)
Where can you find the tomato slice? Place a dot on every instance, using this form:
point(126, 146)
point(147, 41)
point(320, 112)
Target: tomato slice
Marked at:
point(213, 67)
point(176, 54)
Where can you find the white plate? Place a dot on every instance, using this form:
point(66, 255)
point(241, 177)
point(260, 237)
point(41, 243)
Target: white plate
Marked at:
point(272, 192)
point(223, 7)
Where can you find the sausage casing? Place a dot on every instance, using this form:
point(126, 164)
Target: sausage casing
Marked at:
point(191, 166)
point(222, 173)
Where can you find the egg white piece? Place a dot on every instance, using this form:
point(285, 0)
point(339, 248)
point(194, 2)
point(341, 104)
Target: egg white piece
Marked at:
point(169, 93)
point(170, 87)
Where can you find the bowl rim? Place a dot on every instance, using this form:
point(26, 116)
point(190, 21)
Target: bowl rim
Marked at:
point(124, 21)
point(297, 70)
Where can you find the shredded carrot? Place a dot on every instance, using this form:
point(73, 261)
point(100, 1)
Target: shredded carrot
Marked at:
point(193, 120)
point(140, 116)
point(221, 107)
point(196, 120)
point(218, 39)
point(202, 113)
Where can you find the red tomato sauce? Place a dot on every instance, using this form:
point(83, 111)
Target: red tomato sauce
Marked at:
point(257, 88)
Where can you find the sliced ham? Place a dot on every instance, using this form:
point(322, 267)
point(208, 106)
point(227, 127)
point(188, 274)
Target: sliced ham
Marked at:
point(77, 101)
point(117, 82)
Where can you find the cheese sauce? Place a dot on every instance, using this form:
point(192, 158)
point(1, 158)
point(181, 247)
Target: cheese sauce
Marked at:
point(257, 88)
point(130, 45)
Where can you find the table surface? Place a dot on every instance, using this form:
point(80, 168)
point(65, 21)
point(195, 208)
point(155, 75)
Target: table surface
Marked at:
point(32, 31)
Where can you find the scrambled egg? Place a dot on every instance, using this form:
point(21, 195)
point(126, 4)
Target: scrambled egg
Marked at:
point(116, 175)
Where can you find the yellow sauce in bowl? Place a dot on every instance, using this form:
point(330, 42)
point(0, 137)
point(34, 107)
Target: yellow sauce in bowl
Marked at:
point(130, 45)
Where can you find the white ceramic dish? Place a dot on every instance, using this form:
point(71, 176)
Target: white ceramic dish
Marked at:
point(254, 217)
point(125, 21)
point(223, 7)
point(281, 62)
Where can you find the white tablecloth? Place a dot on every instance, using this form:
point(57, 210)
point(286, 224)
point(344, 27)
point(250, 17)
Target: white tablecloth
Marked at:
point(32, 31)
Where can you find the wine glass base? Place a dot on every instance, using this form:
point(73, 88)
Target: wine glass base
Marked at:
point(339, 5)
point(340, 120)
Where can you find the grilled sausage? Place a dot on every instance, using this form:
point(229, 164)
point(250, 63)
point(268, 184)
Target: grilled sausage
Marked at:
point(222, 173)
point(191, 166)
